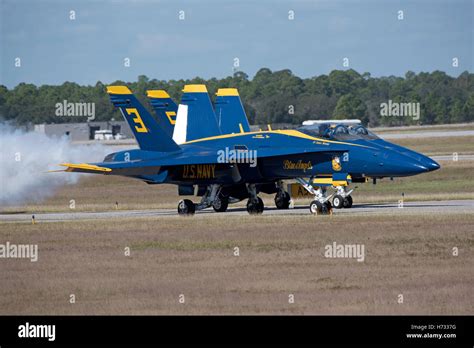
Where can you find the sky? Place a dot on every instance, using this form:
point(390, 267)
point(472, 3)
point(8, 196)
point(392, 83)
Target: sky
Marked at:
point(308, 37)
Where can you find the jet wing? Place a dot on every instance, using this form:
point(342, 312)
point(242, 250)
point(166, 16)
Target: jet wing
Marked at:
point(206, 156)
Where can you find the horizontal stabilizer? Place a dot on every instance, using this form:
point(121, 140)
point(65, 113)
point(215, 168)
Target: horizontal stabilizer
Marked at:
point(85, 168)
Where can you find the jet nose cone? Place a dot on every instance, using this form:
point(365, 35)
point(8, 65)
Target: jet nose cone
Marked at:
point(415, 168)
point(431, 164)
point(407, 166)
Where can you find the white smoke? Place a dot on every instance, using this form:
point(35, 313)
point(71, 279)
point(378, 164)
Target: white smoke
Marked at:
point(25, 158)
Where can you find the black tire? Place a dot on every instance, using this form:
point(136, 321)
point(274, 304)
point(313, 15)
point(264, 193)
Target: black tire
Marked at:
point(220, 204)
point(315, 207)
point(319, 208)
point(260, 206)
point(186, 207)
point(255, 208)
point(347, 202)
point(338, 202)
point(327, 208)
point(282, 200)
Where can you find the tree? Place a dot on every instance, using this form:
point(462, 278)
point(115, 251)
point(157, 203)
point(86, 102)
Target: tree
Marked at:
point(349, 106)
point(267, 97)
point(468, 109)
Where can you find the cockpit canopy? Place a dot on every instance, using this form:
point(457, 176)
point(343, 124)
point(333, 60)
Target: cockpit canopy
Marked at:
point(338, 132)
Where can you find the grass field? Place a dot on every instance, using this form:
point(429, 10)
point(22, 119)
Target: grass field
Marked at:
point(439, 146)
point(279, 256)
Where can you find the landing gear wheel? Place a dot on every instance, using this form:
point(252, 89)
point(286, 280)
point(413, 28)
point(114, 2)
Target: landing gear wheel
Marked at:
point(282, 200)
point(220, 204)
point(319, 208)
point(338, 201)
point(347, 203)
point(315, 207)
point(327, 208)
point(186, 207)
point(255, 208)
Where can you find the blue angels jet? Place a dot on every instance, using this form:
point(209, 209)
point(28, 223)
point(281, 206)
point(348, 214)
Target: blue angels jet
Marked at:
point(354, 132)
point(239, 165)
point(232, 118)
point(228, 112)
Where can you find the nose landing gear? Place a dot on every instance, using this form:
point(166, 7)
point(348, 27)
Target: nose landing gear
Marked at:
point(347, 202)
point(321, 204)
point(318, 208)
point(343, 198)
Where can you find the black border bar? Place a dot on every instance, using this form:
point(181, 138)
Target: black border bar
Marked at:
point(288, 330)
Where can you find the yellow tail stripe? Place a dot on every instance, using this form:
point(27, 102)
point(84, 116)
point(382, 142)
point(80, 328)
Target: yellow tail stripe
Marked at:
point(223, 92)
point(195, 89)
point(157, 93)
point(118, 90)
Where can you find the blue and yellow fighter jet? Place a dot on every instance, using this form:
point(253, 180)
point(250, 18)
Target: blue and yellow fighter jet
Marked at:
point(232, 118)
point(354, 132)
point(238, 165)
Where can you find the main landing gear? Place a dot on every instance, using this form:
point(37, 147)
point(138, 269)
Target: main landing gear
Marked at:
point(220, 204)
point(282, 198)
point(343, 198)
point(255, 203)
point(186, 207)
point(213, 197)
point(321, 204)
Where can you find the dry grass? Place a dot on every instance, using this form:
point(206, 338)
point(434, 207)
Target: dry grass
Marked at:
point(452, 181)
point(439, 146)
point(279, 255)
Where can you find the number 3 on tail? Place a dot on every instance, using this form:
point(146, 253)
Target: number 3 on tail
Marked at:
point(140, 126)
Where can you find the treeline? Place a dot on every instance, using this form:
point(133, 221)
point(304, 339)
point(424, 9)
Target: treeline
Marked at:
point(272, 97)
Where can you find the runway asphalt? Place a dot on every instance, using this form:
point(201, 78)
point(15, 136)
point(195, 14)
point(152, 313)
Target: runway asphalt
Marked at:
point(427, 207)
point(450, 158)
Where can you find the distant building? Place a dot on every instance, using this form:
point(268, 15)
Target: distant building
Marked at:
point(83, 131)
